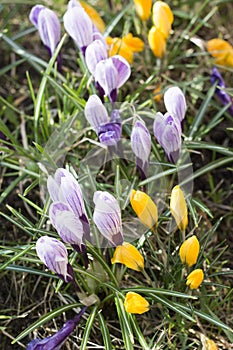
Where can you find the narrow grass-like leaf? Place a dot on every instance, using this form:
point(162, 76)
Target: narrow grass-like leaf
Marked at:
point(88, 327)
point(126, 330)
point(11, 187)
point(138, 333)
point(105, 332)
point(24, 269)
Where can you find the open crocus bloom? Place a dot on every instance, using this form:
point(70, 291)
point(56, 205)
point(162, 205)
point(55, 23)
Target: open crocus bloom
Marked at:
point(54, 255)
point(175, 102)
point(107, 217)
point(189, 251)
point(222, 51)
point(67, 212)
point(48, 25)
point(167, 131)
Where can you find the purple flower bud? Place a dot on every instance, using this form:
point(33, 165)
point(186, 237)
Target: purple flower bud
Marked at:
point(141, 146)
point(167, 131)
point(54, 255)
point(220, 89)
point(175, 102)
point(95, 53)
point(110, 74)
point(107, 217)
point(95, 112)
point(67, 196)
point(79, 26)
point(110, 133)
point(48, 25)
point(56, 341)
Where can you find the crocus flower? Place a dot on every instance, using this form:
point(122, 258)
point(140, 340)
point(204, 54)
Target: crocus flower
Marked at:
point(167, 131)
point(125, 46)
point(157, 42)
point(175, 102)
point(222, 51)
point(54, 255)
point(141, 146)
point(178, 208)
point(135, 303)
point(67, 212)
point(108, 130)
point(48, 25)
point(220, 89)
point(56, 341)
point(189, 251)
point(195, 279)
point(128, 255)
point(95, 52)
point(145, 208)
point(107, 217)
point(162, 17)
point(143, 8)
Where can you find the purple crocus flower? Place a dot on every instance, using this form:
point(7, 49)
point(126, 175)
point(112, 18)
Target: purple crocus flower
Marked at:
point(108, 130)
point(54, 255)
point(67, 212)
point(220, 89)
point(175, 102)
point(48, 25)
point(95, 52)
point(141, 146)
point(167, 131)
point(107, 217)
point(56, 341)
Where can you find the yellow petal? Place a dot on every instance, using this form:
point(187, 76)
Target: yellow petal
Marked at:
point(189, 251)
point(118, 47)
point(162, 17)
point(128, 255)
point(135, 303)
point(222, 51)
point(157, 42)
point(210, 345)
point(195, 278)
point(144, 207)
point(134, 43)
point(178, 208)
point(143, 8)
point(95, 17)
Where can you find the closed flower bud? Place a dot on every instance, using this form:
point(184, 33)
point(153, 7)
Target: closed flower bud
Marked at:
point(178, 208)
point(129, 256)
point(189, 251)
point(195, 279)
point(175, 102)
point(135, 303)
point(157, 42)
point(143, 8)
point(54, 255)
point(145, 208)
point(162, 17)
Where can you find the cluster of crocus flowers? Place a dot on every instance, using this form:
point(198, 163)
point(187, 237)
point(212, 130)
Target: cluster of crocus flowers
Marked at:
point(168, 127)
point(222, 51)
point(220, 90)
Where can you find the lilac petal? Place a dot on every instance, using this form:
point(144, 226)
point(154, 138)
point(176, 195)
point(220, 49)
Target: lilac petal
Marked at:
point(159, 125)
point(175, 102)
point(79, 26)
point(123, 69)
point(56, 341)
point(106, 75)
point(34, 14)
point(109, 134)
point(73, 3)
point(220, 91)
point(141, 142)
point(53, 188)
point(95, 112)
point(95, 52)
point(68, 225)
point(49, 28)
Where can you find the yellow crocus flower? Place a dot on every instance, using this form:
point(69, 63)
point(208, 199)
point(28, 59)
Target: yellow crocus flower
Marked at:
point(157, 42)
point(222, 51)
point(189, 251)
point(162, 17)
point(143, 8)
point(128, 255)
point(178, 208)
point(144, 207)
point(95, 17)
point(135, 303)
point(195, 279)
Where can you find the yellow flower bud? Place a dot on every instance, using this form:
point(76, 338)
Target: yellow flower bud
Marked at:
point(95, 17)
point(195, 278)
point(162, 17)
point(135, 303)
point(178, 208)
point(189, 251)
point(144, 207)
point(128, 255)
point(143, 8)
point(222, 51)
point(157, 42)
